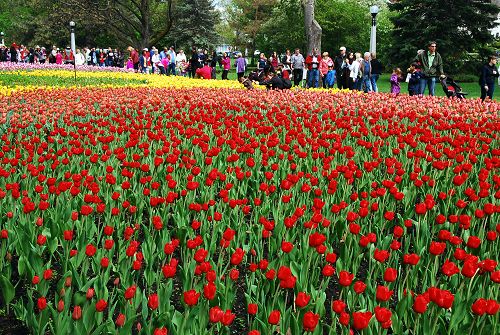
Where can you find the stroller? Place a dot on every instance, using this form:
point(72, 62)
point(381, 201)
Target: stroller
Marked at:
point(452, 89)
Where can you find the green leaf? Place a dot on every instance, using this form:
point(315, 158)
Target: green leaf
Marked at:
point(22, 264)
point(8, 291)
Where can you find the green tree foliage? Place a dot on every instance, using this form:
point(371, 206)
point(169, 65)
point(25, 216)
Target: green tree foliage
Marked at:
point(246, 18)
point(458, 26)
point(284, 29)
point(194, 24)
point(344, 23)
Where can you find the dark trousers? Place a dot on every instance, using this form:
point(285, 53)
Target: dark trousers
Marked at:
point(241, 74)
point(489, 93)
point(224, 74)
point(297, 76)
point(341, 82)
point(171, 69)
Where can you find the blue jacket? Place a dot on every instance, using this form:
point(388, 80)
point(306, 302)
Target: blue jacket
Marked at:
point(330, 77)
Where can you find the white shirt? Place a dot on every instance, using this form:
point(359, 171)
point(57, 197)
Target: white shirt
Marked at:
point(354, 67)
point(79, 59)
point(155, 59)
point(181, 57)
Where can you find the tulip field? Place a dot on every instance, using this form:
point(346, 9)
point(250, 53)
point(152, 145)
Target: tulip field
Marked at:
point(178, 206)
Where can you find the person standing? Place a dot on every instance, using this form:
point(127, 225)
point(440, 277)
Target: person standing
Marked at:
point(262, 63)
point(339, 63)
point(354, 68)
point(376, 67)
point(325, 63)
point(241, 65)
point(171, 65)
point(226, 65)
point(432, 68)
point(396, 78)
point(287, 62)
point(14, 54)
point(194, 62)
point(489, 74)
point(367, 73)
point(312, 62)
point(79, 58)
point(180, 62)
point(133, 54)
point(297, 61)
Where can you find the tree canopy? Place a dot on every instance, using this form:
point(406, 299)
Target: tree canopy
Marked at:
point(458, 26)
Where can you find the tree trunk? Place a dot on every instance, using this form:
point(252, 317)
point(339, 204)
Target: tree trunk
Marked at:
point(313, 29)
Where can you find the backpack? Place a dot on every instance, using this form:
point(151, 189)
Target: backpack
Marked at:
point(287, 84)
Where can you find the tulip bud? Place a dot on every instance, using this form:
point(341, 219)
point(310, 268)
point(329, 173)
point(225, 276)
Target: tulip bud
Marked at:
point(60, 306)
point(120, 320)
point(67, 282)
point(77, 313)
point(90, 293)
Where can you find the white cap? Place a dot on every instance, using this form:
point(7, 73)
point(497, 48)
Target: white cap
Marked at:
point(342, 48)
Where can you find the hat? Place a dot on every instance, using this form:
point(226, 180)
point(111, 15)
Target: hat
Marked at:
point(145, 49)
point(342, 48)
point(37, 47)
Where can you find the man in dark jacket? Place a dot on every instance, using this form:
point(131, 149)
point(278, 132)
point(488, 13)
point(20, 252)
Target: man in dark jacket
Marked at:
point(432, 68)
point(339, 60)
point(489, 74)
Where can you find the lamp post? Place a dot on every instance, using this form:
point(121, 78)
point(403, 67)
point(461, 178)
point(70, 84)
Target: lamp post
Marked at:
point(1, 37)
point(373, 36)
point(73, 44)
point(72, 29)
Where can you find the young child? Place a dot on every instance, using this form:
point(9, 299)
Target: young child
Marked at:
point(414, 82)
point(396, 78)
point(330, 76)
point(130, 64)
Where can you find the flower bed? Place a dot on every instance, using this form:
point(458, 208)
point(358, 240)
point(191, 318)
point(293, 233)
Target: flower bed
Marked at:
point(205, 210)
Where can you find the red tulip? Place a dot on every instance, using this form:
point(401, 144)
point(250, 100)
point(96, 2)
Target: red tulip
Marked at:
point(153, 301)
point(191, 297)
point(274, 317)
point(420, 304)
point(302, 299)
point(383, 293)
point(215, 314)
point(42, 303)
point(101, 305)
point(382, 314)
point(77, 313)
point(361, 320)
point(345, 278)
point(120, 320)
point(390, 275)
point(310, 321)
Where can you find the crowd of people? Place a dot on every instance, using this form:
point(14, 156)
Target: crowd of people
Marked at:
point(346, 70)
point(41, 55)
